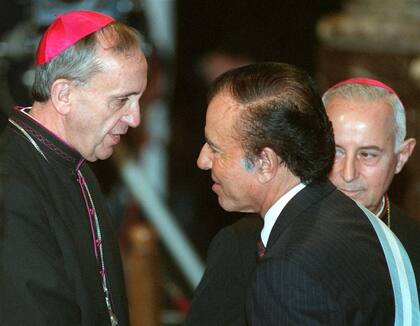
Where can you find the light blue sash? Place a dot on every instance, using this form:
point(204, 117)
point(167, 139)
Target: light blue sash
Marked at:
point(406, 299)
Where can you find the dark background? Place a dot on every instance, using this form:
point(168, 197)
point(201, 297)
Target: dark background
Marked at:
point(259, 30)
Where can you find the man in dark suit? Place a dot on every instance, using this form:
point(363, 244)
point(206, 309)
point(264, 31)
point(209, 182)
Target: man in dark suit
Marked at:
point(269, 146)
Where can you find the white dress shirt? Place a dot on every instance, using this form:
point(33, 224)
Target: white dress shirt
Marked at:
point(273, 213)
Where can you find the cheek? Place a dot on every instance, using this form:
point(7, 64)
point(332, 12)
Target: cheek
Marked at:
point(225, 168)
point(218, 169)
point(220, 162)
point(339, 163)
point(335, 168)
point(334, 172)
point(377, 176)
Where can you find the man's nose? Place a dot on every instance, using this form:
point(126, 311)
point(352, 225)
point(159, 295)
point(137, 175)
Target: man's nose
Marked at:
point(204, 161)
point(350, 171)
point(132, 118)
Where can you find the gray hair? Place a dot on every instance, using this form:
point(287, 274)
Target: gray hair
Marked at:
point(80, 62)
point(370, 93)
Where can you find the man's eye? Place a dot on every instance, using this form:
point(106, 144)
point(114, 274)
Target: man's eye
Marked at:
point(212, 149)
point(119, 103)
point(368, 155)
point(122, 101)
point(339, 152)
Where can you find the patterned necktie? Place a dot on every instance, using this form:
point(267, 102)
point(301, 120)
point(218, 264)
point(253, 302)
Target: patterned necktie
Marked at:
point(260, 248)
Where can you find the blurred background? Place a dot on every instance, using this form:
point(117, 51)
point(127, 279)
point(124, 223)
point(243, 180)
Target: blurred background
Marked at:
point(163, 208)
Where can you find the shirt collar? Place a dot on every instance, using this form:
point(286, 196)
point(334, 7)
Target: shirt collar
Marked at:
point(273, 213)
point(49, 143)
point(381, 210)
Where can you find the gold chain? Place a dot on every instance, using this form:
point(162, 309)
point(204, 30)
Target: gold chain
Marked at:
point(388, 211)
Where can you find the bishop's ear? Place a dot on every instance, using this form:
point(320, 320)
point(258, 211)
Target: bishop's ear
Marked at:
point(267, 165)
point(60, 95)
point(404, 154)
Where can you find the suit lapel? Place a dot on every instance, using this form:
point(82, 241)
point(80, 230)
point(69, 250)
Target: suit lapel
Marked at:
point(311, 194)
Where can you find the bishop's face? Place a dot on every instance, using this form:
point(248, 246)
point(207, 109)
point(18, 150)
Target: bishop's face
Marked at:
point(365, 160)
point(107, 105)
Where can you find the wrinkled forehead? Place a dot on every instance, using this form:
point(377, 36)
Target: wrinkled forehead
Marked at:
point(223, 108)
point(362, 121)
point(359, 108)
point(222, 116)
point(108, 51)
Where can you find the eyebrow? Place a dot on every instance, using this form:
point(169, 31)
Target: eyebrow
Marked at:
point(376, 148)
point(208, 141)
point(373, 147)
point(127, 95)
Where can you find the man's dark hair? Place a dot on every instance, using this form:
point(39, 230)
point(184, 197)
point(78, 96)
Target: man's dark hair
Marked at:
point(282, 110)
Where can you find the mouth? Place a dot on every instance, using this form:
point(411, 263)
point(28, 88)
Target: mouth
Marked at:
point(350, 192)
point(115, 138)
point(215, 187)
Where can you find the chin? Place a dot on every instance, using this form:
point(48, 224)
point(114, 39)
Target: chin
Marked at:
point(90, 158)
point(229, 206)
point(223, 205)
point(104, 155)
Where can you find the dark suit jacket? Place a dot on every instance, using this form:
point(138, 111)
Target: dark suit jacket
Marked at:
point(323, 266)
point(220, 297)
point(408, 231)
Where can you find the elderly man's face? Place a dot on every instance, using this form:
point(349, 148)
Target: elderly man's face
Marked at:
point(107, 105)
point(234, 180)
point(365, 160)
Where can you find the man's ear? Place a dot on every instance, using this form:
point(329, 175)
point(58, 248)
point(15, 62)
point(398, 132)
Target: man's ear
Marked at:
point(404, 154)
point(267, 165)
point(60, 95)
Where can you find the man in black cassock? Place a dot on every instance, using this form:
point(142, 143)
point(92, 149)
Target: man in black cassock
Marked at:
point(59, 258)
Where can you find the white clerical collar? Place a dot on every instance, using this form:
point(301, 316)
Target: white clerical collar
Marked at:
point(273, 213)
point(26, 111)
point(380, 210)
